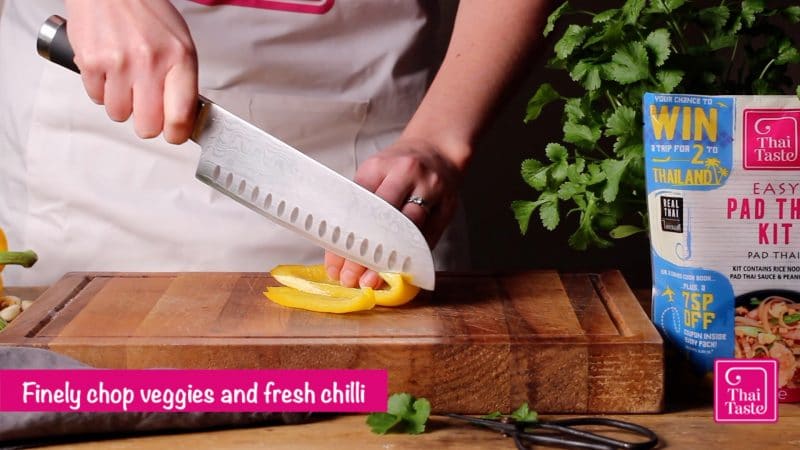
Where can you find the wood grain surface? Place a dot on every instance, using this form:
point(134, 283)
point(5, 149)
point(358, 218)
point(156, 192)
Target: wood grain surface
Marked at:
point(570, 343)
point(692, 429)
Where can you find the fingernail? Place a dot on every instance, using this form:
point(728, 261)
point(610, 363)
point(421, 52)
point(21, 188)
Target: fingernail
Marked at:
point(333, 274)
point(369, 279)
point(348, 278)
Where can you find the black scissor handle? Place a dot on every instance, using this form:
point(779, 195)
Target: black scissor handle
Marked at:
point(563, 435)
point(566, 426)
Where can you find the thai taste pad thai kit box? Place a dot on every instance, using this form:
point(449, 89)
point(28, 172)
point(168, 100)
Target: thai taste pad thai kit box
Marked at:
point(723, 196)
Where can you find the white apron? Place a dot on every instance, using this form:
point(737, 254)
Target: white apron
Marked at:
point(338, 80)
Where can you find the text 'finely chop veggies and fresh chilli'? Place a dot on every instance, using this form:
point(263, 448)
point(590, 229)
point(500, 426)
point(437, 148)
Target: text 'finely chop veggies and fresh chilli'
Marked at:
point(723, 185)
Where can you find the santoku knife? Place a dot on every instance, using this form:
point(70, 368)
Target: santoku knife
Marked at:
point(283, 184)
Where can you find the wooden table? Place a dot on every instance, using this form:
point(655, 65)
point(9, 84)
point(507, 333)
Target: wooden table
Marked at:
point(687, 424)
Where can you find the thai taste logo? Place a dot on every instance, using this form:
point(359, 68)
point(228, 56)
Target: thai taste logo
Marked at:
point(771, 139)
point(745, 390)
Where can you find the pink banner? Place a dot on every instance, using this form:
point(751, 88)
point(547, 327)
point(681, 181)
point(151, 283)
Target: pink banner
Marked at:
point(167, 390)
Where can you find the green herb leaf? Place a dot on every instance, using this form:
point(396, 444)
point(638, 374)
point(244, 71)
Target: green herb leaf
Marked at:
point(3, 324)
point(668, 80)
point(534, 173)
point(631, 10)
point(749, 10)
point(665, 6)
point(629, 64)
point(587, 73)
point(556, 152)
point(622, 122)
point(658, 42)
point(402, 409)
point(571, 40)
point(714, 17)
point(569, 189)
point(554, 16)
point(523, 209)
point(624, 231)
point(492, 415)
point(613, 169)
point(381, 423)
point(548, 211)
point(544, 95)
point(585, 234)
point(755, 301)
point(416, 419)
point(792, 13)
point(524, 414)
point(787, 53)
point(581, 135)
point(574, 109)
point(605, 16)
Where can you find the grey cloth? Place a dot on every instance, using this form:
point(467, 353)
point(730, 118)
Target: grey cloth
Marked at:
point(21, 430)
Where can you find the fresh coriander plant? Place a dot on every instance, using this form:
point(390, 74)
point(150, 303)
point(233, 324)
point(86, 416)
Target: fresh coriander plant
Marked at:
point(404, 411)
point(615, 55)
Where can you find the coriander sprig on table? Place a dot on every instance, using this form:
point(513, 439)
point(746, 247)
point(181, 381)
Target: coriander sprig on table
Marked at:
point(404, 412)
point(409, 414)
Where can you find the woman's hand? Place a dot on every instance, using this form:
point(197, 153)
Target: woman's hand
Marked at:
point(137, 57)
point(410, 168)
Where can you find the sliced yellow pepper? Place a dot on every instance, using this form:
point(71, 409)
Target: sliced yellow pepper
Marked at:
point(292, 298)
point(314, 279)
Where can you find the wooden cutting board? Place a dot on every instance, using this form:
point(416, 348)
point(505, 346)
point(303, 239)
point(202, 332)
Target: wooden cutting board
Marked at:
point(573, 343)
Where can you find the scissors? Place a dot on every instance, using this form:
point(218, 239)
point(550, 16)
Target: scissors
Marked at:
point(560, 433)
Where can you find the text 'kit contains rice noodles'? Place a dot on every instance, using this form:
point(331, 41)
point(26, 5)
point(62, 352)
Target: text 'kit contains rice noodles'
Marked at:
point(723, 184)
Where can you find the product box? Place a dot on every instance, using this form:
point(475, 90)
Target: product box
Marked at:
point(723, 195)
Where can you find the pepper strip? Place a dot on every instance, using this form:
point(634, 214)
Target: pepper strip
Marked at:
point(24, 259)
point(292, 298)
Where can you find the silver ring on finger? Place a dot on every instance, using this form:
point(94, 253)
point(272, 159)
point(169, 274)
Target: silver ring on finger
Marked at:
point(419, 201)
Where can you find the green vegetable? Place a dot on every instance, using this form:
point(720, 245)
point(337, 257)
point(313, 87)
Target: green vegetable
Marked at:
point(597, 169)
point(403, 409)
point(521, 414)
point(2, 324)
point(789, 319)
point(754, 301)
point(748, 330)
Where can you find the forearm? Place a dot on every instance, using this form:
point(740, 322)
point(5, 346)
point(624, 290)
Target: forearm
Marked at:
point(489, 41)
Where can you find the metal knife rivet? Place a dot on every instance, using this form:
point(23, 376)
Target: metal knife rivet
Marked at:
point(228, 181)
point(268, 201)
point(376, 257)
point(309, 222)
point(254, 195)
point(323, 227)
point(335, 235)
point(364, 248)
point(217, 171)
point(242, 186)
point(295, 213)
point(392, 260)
point(281, 207)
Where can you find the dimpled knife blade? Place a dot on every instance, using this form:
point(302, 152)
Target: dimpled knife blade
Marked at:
point(281, 183)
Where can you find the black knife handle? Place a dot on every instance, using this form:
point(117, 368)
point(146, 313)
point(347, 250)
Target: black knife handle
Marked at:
point(52, 43)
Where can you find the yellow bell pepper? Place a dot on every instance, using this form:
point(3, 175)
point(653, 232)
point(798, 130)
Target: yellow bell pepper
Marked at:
point(292, 298)
point(308, 287)
point(314, 279)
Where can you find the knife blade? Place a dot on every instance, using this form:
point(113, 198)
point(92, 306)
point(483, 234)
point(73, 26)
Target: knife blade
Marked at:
point(288, 187)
